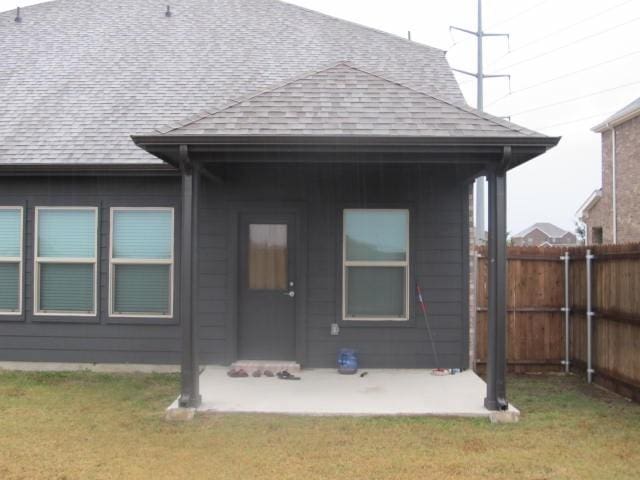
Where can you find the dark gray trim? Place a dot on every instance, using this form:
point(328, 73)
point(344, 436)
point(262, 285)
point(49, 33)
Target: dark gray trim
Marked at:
point(496, 398)
point(247, 208)
point(464, 334)
point(189, 378)
point(446, 150)
point(151, 169)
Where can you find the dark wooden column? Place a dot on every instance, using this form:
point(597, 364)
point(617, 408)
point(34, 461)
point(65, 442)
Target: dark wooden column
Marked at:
point(496, 398)
point(190, 381)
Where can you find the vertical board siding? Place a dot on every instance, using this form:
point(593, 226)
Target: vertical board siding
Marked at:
point(437, 200)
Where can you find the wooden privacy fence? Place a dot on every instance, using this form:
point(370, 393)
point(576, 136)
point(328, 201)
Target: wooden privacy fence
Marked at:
point(536, 321)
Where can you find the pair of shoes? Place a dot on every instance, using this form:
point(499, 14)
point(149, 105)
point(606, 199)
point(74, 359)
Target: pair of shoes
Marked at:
point(285, 375)
point(237, 373)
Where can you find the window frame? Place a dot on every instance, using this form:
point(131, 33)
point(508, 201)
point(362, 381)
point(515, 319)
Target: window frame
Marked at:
point(146, 261)
point(37, 260)
point(406, 264)
point(20, 261)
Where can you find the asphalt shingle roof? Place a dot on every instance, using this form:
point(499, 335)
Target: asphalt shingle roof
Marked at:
point(78, 77)
point(344, 100)
point(631, 109)
point(548, 229)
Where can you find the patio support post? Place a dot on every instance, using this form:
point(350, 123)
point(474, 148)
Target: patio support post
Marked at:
point(189, 371)
point(496, 398)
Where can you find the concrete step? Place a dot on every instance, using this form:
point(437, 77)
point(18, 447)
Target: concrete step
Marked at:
point(275, 366)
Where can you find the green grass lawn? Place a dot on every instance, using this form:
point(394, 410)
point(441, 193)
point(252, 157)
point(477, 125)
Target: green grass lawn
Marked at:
point(95, 426)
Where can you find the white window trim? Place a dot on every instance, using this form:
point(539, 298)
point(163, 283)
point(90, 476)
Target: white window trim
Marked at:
point(145, 261)
point(63, 260)
point(359, 263)
point(19, 260)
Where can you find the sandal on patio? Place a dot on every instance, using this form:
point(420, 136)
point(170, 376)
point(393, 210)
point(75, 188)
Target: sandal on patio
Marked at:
point(240, 373)
point(284, 375)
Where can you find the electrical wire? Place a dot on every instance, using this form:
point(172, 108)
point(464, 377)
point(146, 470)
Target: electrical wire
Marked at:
point(518, 15)
point(566, 45)
point(564, 29)
point(575, 120)
point(565, 75)
point(573, 99)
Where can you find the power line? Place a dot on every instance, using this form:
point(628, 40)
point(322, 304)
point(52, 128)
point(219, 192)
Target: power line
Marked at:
point(559, 77)
point(576, 120)
point(573, 99)
point(518, 15)
point(561, 30)
point(501, 22)
point(562, 47)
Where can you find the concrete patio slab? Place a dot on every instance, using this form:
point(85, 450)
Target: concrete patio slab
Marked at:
point(325, 392)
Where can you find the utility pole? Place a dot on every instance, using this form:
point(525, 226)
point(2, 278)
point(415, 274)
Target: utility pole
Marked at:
point(480, 76)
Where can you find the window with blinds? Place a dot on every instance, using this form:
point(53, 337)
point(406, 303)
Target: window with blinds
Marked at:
point(141, 262)
point(375, 265)
point(65, 271)
point(11, 260)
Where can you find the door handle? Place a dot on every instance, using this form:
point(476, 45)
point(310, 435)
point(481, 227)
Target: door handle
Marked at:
point(289, 294)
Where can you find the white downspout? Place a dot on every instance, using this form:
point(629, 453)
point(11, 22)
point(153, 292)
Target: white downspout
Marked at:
point(613, 184)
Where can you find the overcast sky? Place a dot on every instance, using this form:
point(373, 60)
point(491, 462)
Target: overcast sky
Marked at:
point(592, 45)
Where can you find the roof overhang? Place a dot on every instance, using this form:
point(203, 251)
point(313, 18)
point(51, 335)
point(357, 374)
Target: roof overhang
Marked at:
point(425, 149)
point(614, 122)
point(589, 203)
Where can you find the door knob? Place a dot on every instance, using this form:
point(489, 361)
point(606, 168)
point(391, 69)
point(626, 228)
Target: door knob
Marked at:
point(290, 293)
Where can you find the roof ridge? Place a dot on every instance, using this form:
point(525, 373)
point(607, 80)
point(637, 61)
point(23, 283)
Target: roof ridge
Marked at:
point(233, 102)
point(465, 108)
point(360, 25)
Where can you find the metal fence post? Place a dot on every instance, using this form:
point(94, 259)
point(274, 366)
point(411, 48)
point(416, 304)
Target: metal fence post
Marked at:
point(567, 311)
point(589, 258)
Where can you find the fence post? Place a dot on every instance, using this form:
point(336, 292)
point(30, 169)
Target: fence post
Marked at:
point(589, 258)
point(567, 310)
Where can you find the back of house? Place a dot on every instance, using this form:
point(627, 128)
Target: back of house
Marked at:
point(234, 180)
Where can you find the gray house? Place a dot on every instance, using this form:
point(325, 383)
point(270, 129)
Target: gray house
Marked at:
point(239, 179)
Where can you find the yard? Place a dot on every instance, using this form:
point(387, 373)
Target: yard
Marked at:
point(98, 426)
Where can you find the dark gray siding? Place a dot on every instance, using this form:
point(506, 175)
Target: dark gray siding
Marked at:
point(87, 339)
point(436, 197)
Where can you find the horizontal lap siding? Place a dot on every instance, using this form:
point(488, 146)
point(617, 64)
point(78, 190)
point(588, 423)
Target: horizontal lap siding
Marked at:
point(438, 251)
point(438, 248)
point(95, 339)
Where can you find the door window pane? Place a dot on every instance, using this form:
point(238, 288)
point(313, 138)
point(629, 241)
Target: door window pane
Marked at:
point(66, 287)
point(376, 235)
point(141, 289)
point(376, 291)
point(267, 257)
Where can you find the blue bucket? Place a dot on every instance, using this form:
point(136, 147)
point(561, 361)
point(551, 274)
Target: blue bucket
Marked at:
point(347, 361)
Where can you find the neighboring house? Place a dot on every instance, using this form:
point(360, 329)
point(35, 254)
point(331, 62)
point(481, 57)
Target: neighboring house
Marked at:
point(307, 174)
point(544, 234)
point(612, 213)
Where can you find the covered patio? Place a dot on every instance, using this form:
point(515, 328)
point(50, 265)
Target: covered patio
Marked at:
point(325, 392)
point(300, 156)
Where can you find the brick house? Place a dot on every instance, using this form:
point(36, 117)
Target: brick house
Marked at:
point(543, 234)
point(612, 213)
